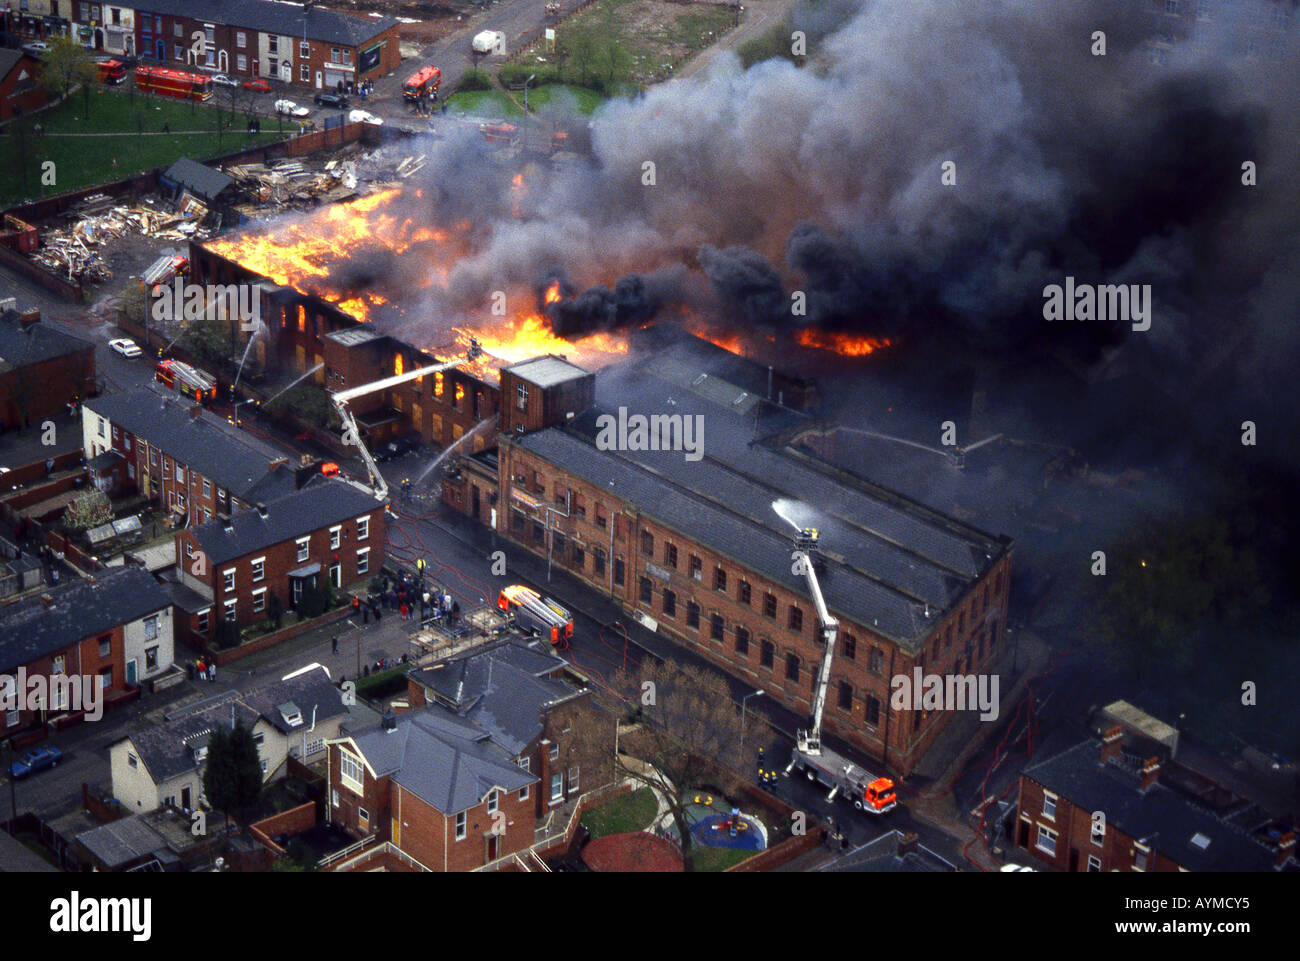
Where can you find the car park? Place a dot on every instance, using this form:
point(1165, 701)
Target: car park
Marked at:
point(126, 347)
point(328, 99)
point(33, 762)
point(290, 108)
point(259, 85)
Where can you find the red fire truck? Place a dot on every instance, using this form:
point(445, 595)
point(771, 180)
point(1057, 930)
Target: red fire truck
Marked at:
point(174, 83)
point(424, 82)
point(538, 613)
point(110, 71)
point(188, 380)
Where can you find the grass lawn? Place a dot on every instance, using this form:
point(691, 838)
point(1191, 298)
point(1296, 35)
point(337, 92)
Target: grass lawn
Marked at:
point(709, 859)
point(129, 131)
point(485, 103)
point(587, 100)
point(631, 812)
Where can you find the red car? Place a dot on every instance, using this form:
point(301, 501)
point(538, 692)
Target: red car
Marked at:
point(260, 85)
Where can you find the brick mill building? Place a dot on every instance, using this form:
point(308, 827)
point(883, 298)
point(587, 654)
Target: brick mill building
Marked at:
point(695, 549)
point(329, 532)
point(299, 44)
point(1144, 825)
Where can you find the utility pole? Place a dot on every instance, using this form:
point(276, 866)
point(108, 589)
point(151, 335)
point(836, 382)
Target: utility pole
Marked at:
point(13, 795)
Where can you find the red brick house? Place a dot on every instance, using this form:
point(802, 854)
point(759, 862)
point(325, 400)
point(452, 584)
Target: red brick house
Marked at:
point(329, 532)
point(42, 370)
point(20, 90)
point(1094, 808)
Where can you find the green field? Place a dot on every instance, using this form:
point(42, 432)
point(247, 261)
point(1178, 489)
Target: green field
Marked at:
point(587, 100)
point(631, 812)
point(485, 103)
point(117, 137)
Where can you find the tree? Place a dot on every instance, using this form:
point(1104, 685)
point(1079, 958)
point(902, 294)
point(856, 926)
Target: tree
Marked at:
point(311, 404)
point(227, 634)
point(584, 55)
point(209, 341)
point(67, 64)
point(274, 608)
point(233, 778)
point(89, 510)
point(689, 736)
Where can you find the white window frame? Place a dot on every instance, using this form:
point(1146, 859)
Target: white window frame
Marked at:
point(259, 600)
point(151, 627)
point(336, 537)
point(228, 580)
point(229, 610)
point(1094, 864)
point(258, 565)
point(304, 49)
point(241, 39)
point(363, 560)
point(363, 528)
point(347, 760)
point(461, 826)
point(493, 801)
point(557, 787)
point(554, 751)
point(1049, 805)
point(304, 548)
point(575, 777)
point(1045, 840)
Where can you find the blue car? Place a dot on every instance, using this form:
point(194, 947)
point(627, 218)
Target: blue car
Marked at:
point(35, 761)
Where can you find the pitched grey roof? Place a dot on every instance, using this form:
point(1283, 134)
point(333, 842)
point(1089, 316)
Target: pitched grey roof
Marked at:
point(120, 842)
point(312, 693)
point(1170, 819)
point(29, 629)
point(502, 689)
point(204, 182)
point(167, 749)
point(443, 760)
point(39, 342)
point(315, 506)
point(273, 16)
point(215, 448)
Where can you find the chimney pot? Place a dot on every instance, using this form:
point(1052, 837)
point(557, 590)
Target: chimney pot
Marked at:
point(1112, 743)
point(1285, 848)
point(1150, 773)
point(277, 463)
point(47, 600)
point(907, 843)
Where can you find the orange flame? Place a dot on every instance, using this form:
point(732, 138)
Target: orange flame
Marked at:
point(552, 295)
point(847, 345)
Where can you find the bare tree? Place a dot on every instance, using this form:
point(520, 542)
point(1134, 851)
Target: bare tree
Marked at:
point(688, 737)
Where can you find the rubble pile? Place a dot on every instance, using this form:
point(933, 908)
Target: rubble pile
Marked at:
point(294, 183)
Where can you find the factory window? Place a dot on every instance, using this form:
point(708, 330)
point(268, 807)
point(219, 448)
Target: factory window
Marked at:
point(796, 619)
point(850, 646)
point(742, 641)
point(579, 557)
point(598, 563)
point(877, 660)
point(647, 544)
point(719, 579)
point(769, 606)
point(692, 615)
point(517, 521)
point(697, 568)
point(539, 533)
point(601, 519)
point(521, 397)
point(670, 555)
point(619, 570)
point(846, 696)
point(670, 604)
point(947, 638)
point(460, 396)
point(743, 592)
point(872, 711)
point(539, 483)
point(561, 495)
point(767, 654)
point(792, 667)
point(437, 384)
point(579, 506)
point(559, 544)
point(647, 590)
point(717, 627)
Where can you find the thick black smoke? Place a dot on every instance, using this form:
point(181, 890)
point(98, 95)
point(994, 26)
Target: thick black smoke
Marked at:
point(635, 299)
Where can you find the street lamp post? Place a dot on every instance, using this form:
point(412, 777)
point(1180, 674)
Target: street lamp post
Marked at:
point(758, 693)
point(531, 78)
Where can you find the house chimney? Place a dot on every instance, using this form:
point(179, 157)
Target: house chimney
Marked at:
point(1285, 849)
point(1150, 773)
point(1111, 744)
point(29, 319)
point(92, 580)
point(907, 843)
point(195, 411)
point(47, 600)
point(261, 510)
point(277, 463)
point(389, 722)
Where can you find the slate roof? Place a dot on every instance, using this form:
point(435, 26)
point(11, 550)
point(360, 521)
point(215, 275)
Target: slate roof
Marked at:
point(39, 342)
point(9, 58)
point(316, 506)
point(204, 182)
point(215, 448)
point(502, 689)
point(308, 691)
point(443, 760)
point(273, 16)
point(1170, 819)
point(881, 856)
point(29, 629)
point(167, 750)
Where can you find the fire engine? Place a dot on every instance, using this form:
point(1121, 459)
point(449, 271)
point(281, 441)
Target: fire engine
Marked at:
point(110, 71)
point(174, 83)
point(188, 380)
point(549, 618)
point(875, 795)
point(424, 82)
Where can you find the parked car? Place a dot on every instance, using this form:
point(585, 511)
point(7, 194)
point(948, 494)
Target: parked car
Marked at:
point(125, 346)
point(33, 762)
point(259, 85)
point(37, 48)
point(396, 448)
point(290, 108)
point(363, 116)
point(328, 99)
point(222, 80)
